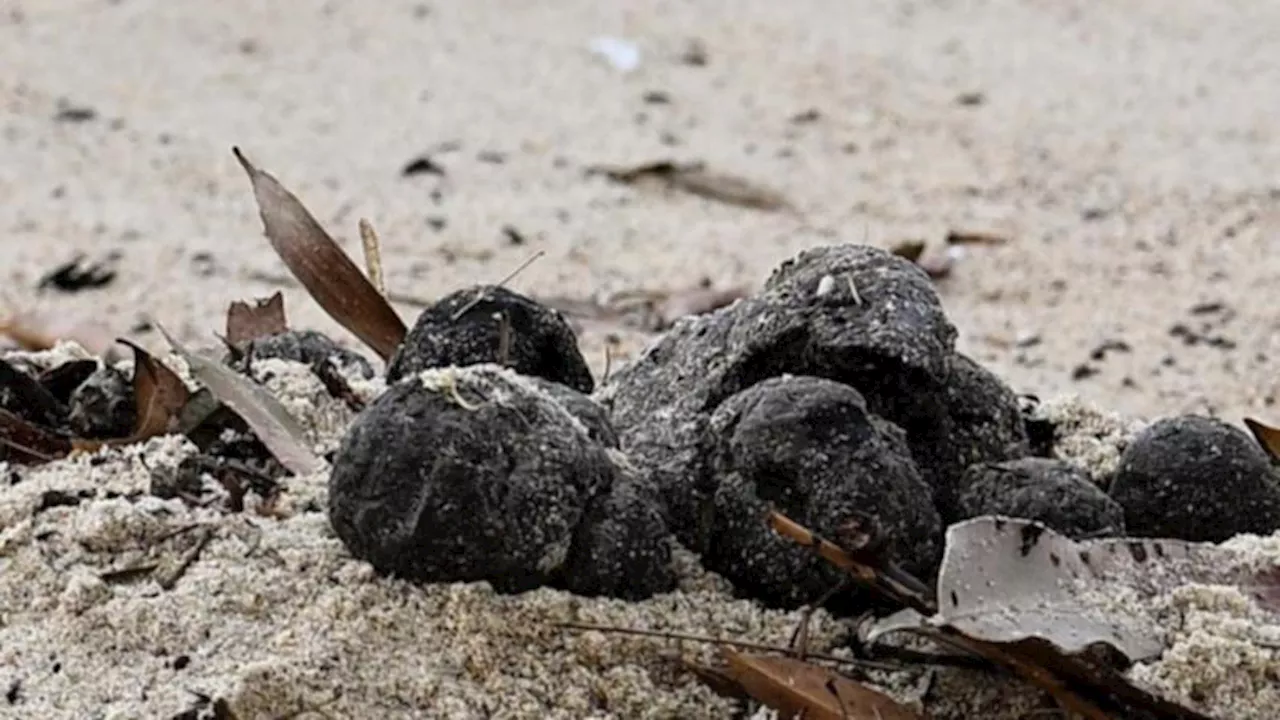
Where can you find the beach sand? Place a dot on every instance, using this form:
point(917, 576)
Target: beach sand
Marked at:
point(1128, 155)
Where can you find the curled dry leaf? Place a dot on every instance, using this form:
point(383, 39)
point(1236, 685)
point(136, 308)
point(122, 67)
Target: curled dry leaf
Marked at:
point(696, 179)
point(798, 689)
point(264, 414)
point(1267, 436)
point(246, 323)
point(159, 393)
point(322, 267)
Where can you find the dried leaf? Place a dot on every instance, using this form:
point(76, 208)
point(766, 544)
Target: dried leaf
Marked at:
point(1267, 436)
point(27, 443)
point(696, 179)
point(326, 272)
point(43, 331)
point(62, 380)
point(1004, 580)
point(960, 237)
point(799, 689)
point(978, 561)
point(246, 323)
point(20, 391)
point(909, 249)
point(159, 393)
point(718, 680)
point(264, 414)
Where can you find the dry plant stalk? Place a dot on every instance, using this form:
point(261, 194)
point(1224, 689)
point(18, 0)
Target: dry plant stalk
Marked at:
point(372, 255)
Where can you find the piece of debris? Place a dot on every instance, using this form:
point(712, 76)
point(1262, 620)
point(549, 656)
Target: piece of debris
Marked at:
point(75, 275)
point(269, 419)
point(422, 165)
point(71, 113)
point(246, 323)
point(622, 54)
point(694, 53)
point(694, 178)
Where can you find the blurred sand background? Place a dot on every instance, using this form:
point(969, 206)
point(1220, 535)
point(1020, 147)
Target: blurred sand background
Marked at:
point(1127, 151)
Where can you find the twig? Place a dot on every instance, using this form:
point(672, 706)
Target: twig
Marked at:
point(372, 256)
point(608, 363)
point(510, 276)
point(127, 573)
point(800, 638)
point(170, 579)
point(888, 667)
point(891, 581)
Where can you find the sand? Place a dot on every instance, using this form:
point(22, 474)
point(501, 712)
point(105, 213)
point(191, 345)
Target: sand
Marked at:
point(1127, 153)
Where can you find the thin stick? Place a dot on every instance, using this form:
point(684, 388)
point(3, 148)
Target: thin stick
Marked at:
point(889, 667)
point(169, 580)
point(372, 256)
point(510, 276)
point(800, 638)
point(608, 363)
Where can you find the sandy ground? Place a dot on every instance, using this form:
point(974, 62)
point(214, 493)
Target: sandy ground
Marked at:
point(1128, 152)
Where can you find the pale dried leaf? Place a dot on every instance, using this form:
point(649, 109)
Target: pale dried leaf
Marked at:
point(796, 688)
point(264, 414)
point(326, 272)
point(246, 323)
point(1004, 580)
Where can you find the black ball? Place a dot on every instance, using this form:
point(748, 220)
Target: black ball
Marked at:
point(1196, 478)
point(465, 328)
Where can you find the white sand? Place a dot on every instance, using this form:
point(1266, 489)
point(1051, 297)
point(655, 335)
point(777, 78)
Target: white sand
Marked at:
point(1128, 152)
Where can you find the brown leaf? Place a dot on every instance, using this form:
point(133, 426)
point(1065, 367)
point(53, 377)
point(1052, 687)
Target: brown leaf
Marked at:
point(159, 394)
point(264, 414)
point(1267, 436)
point(28, 443)
point(799, 689)
point(908, 249)
point(960, 237)
point(326, 272)
point(718, 680)
point(696, 179)
point(246, 323)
